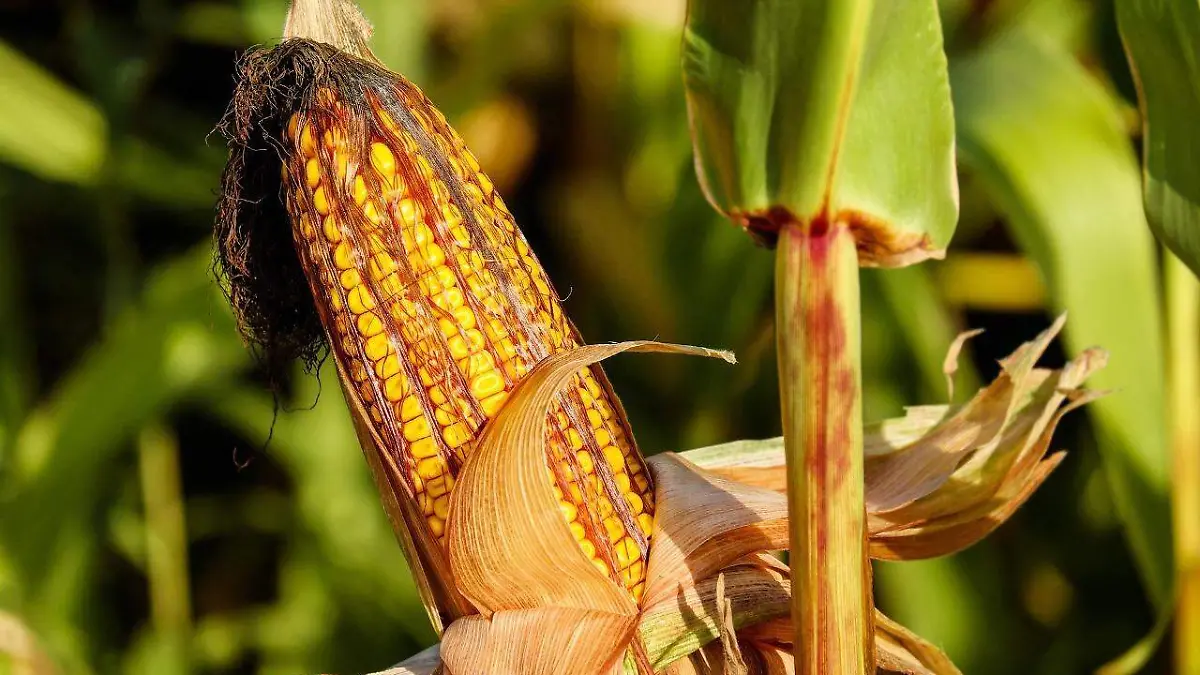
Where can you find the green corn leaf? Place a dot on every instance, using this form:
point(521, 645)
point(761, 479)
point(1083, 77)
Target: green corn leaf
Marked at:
point(1162, 39)
point(1047, 142)
point(46, 128)
point(813, 107)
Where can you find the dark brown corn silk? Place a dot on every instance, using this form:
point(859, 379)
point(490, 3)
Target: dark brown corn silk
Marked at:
point(427, 293)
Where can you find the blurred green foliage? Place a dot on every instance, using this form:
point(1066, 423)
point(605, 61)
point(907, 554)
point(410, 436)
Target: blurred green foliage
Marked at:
point(159, 514)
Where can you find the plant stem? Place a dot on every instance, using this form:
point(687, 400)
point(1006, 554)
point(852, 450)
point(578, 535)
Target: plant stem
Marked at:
point(820, 373)
point(1183, 350)
point(166, 543)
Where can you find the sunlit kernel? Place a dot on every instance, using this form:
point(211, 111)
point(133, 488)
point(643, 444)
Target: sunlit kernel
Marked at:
point(423, 448)
point(589, 549)
point(377, 347)
point(410, 408)
point(382, 159)
point(369, 324)
point(395, 387)
point(645, 523)
point(312, 173)
point(359, 300)
point(492, 404)
point(577, 531)
point(360, 191)
point(350, 278)
point(320, 202)
point(343, 256)
point(415, 429)
point(456, 434)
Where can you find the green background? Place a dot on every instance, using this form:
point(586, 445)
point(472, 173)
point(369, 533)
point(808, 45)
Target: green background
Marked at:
point(159, 514)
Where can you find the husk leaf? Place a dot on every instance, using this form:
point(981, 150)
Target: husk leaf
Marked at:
point(544, 641)
point(901, 478)
point(510, 548)
point(705, 523)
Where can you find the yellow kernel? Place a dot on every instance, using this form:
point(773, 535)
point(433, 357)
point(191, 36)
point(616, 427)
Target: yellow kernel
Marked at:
point(602, 436)
point(408, 211)
point(333, 233)
point(464, 317)
point(612, 525)
point(431, 468)
point(469, 158)
point(409, 408)
point(441, 506)
point(320, 201)
point(485, 183)
point(395, 387)
point(350, 278)
point(383, 159)
point(614, 457)
point(423, 448)
point(635, 502)
point(570, 511)
point(638, 591)
point(343, 256)
point(388, 367)
point(492, 404)
point(600, 565)
point(360, 191)
point(589, 549)
point(308, 142)
point(372, 213)
point(377, 347)
point(417, 428)
point(369, 324)
point(360, 300)
point(312, 172)
point(486, 384)
point(645, 523)
point(627, 551)
point(456, 434)
point(434, 255)
point(586, 464)
point(578, 532)
point(437, 526)
point(442, 485)
point(382, 265)
point(622, 481)
point(574, 440)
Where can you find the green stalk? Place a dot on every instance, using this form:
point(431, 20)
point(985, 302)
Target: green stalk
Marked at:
point(818, 335)
point(166, 544)
point(1183, 349)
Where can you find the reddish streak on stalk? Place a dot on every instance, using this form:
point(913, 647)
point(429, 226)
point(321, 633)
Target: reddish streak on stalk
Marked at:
point(820, 386)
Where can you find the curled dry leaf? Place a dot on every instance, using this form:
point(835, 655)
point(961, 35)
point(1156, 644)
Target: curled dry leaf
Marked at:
point(706, 522)
point(950, 365)
point(957, 472)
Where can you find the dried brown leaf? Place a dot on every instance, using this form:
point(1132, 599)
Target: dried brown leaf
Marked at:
point(950, 364)
point(705, 523)
point(546, 641)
